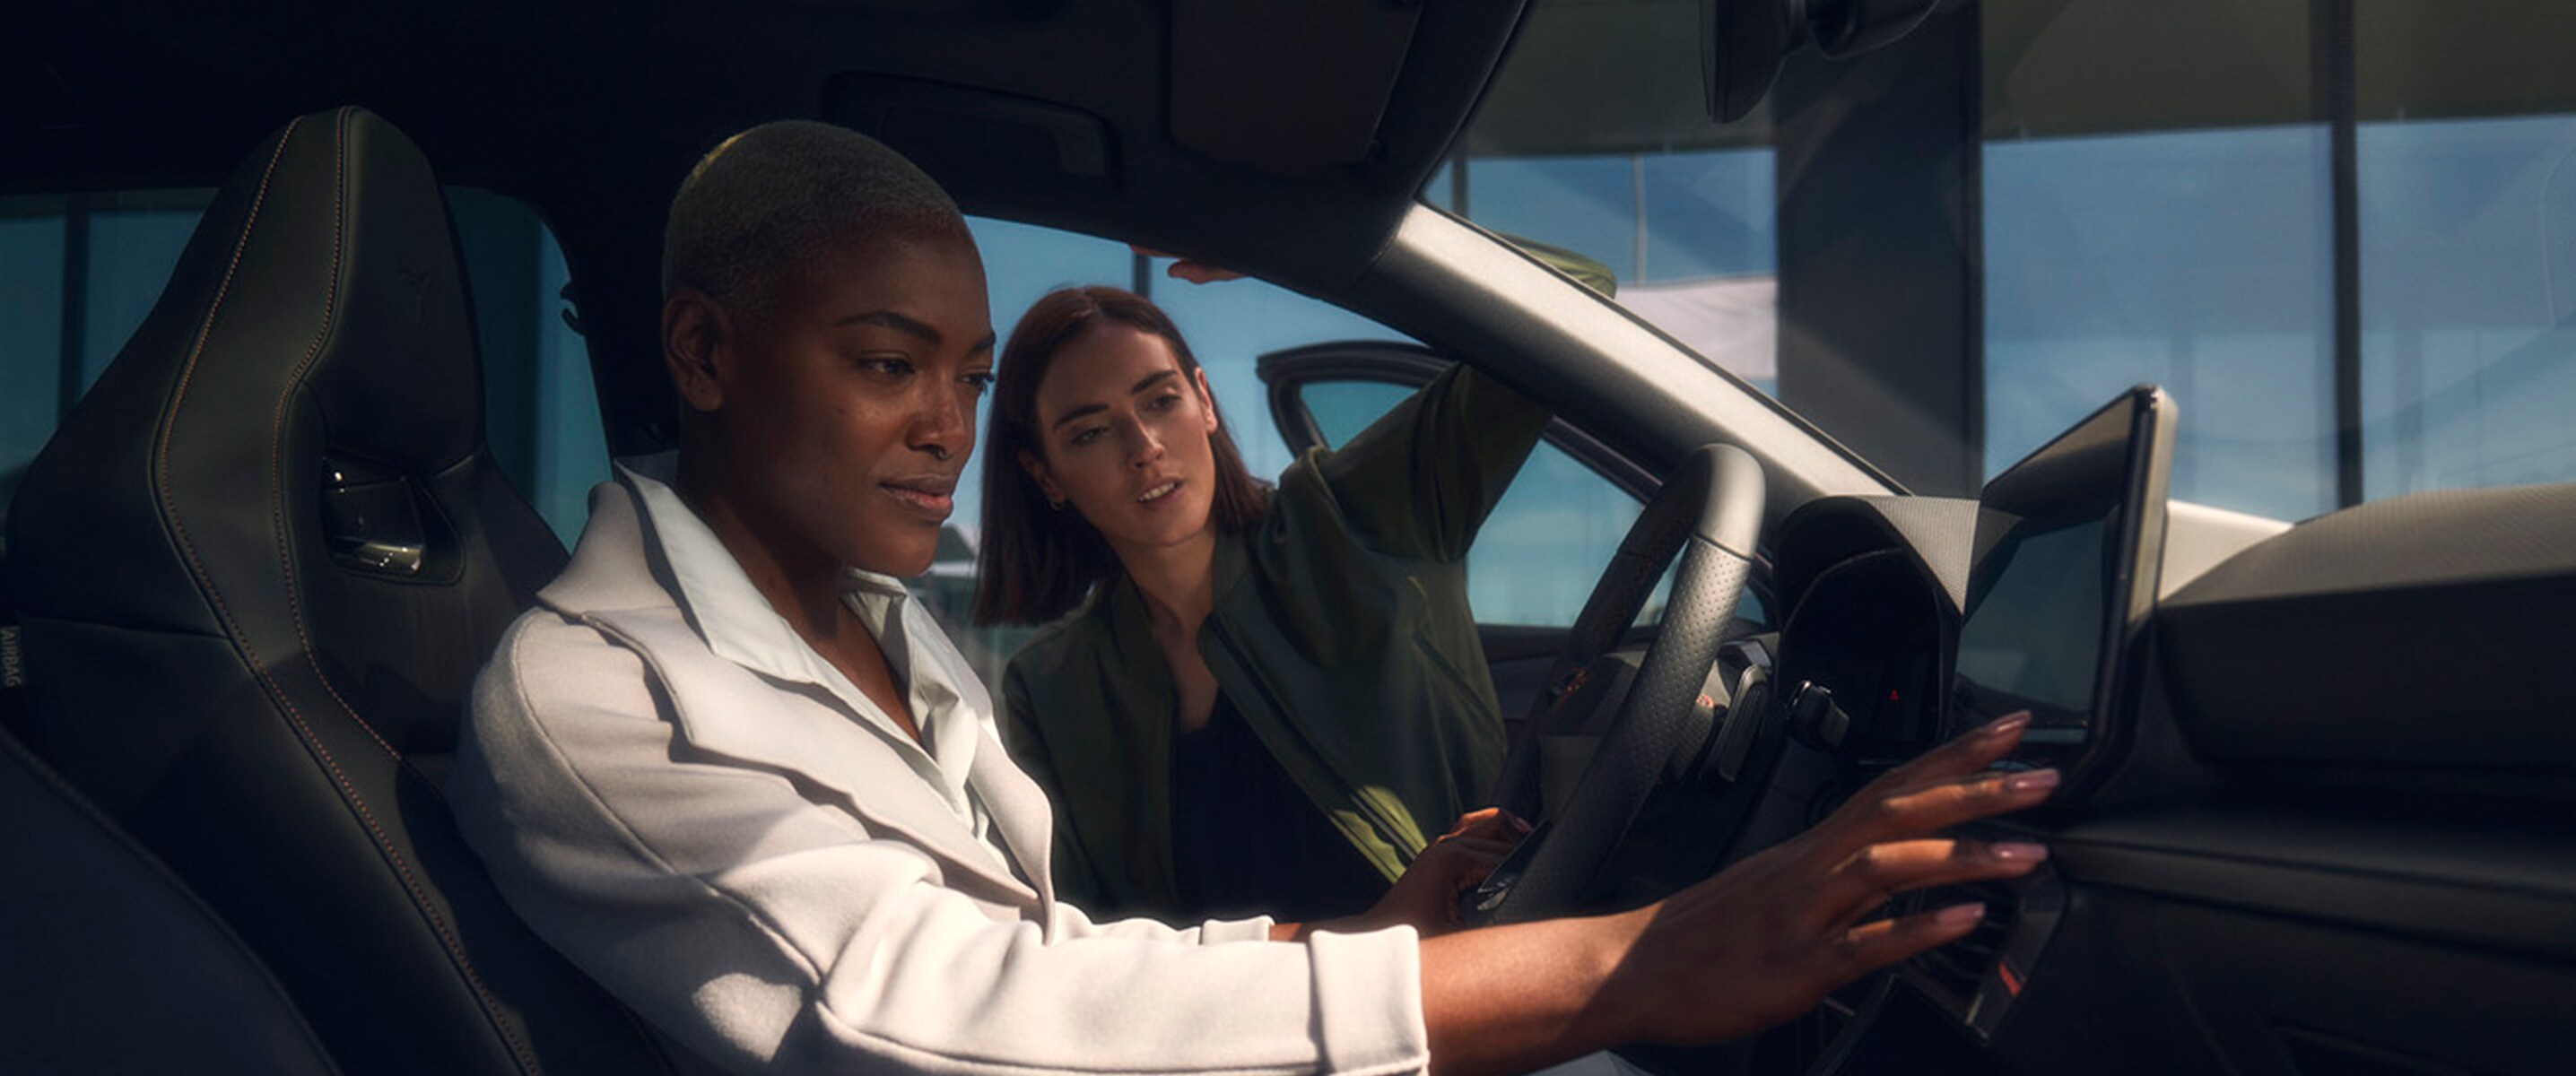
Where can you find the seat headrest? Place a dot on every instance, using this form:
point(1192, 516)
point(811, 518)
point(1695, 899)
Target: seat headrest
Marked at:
point(258, 568)
point(344, 241)
point(317, 311)
point(289, 451)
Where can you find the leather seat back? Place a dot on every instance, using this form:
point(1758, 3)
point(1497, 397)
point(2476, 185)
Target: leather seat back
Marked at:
point(102, 942)
point(258, 567)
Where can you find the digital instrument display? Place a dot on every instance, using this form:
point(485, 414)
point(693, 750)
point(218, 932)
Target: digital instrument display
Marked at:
point(2064, 571)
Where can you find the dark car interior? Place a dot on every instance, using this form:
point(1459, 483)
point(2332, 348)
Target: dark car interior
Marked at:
point(278, 500)
point(2322, 815)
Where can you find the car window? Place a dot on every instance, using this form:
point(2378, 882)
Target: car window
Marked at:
point(1343, 408)
point(1229, 325)
point(31, 349)
point(1021, 263)
point(78, 273)
point(2342, 247)
point(1538, 555)
point(1535, 560)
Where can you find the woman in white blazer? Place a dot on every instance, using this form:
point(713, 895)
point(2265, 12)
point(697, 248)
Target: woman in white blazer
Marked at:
point(732, 770)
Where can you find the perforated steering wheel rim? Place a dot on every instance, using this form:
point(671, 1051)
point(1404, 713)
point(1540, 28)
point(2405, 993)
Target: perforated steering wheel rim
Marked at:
point(1710, 511)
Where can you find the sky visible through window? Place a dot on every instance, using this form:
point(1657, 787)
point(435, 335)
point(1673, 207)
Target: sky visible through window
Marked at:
point(2199, 260)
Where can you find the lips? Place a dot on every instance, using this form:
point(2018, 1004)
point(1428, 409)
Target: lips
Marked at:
point(929, 495)
point(1158, 491)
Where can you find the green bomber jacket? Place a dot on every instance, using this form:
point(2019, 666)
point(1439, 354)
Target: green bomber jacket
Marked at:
point(1341, 632)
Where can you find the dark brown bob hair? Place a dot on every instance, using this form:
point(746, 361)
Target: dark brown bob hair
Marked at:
point(1037, 562)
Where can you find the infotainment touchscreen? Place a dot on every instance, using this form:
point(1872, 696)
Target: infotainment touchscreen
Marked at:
point(2064, 572)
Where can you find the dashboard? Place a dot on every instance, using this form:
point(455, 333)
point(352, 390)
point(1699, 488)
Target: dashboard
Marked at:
point(2310, 767)
point(2062, 559)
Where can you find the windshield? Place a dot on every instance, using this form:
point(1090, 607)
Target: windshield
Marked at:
point(2340, 233)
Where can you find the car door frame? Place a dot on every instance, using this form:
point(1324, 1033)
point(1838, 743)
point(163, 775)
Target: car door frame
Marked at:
point(1519, 655)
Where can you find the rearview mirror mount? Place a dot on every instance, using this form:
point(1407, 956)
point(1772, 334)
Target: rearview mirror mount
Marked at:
point(1742, 42)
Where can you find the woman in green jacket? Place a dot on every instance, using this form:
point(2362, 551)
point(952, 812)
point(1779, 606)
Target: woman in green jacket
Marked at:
point(1256, 698)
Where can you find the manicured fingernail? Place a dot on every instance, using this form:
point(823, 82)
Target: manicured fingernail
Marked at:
point(2031, 781)
point(2005, 725)
point(1959, 915)
point(2019, 852)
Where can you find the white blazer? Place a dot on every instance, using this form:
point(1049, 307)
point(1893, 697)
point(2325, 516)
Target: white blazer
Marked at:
point(773, 887)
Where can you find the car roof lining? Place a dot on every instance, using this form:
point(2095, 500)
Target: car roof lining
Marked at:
point(565, 106)
point(542, 102)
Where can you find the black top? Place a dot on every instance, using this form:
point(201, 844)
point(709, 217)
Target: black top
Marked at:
point(1246, 841)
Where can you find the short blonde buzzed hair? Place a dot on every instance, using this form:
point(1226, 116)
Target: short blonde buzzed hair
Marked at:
point(774, 196)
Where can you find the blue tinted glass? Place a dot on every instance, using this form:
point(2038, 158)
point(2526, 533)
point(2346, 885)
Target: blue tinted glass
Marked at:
point(571, 446)
point(1343, 408)
point(1544, 547)
point(541, 417)
point(1712, 251)
point(131, 254)
point(1021, 263)
point(1585, 204)
point(1537, 556)
point(1024, 261)
point(1438, 191)
point(2468, 287)
point(2194, 260)
point(31, 347)
point(1692, 237)
point(1230, 325)
point(1711, 213)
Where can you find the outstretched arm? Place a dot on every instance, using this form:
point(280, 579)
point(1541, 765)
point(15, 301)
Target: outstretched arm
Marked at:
point(1760, 943)
point(768, 930)
point(1420, 480)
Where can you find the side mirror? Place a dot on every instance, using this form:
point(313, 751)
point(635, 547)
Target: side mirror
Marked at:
point(1742, 42)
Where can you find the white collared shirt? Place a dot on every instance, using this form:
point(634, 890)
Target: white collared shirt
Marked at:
point(948, 701)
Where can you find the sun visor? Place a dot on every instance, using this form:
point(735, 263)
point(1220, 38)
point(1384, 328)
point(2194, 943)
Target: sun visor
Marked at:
point(1285, 86)
point(996, 144)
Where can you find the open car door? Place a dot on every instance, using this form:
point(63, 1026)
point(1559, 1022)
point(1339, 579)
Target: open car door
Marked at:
point(1537, 556)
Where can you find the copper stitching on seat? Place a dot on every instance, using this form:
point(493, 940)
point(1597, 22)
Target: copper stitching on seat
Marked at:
point(277, 436)
point(179, 399)
point(170, 517)
point(277, 512)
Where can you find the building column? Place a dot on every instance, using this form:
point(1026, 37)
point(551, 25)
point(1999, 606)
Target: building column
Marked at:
point(1881, 252)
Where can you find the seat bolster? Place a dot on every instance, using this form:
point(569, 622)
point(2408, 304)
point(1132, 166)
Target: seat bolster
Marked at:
point(110, 965)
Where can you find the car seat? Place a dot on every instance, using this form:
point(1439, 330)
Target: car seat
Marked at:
point(109, 966)
point(257, 569)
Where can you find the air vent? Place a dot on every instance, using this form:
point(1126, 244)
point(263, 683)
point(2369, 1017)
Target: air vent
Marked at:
point(1954, 973)
point(1976, 978)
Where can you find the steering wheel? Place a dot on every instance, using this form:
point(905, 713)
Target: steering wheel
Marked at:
point(1710, 510)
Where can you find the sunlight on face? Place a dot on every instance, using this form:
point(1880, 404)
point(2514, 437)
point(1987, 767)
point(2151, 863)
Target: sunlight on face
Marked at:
point(851, 410)
point(1124, 434)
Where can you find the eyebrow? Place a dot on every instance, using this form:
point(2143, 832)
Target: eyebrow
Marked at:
point(1088, 409)
point(888, 319)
